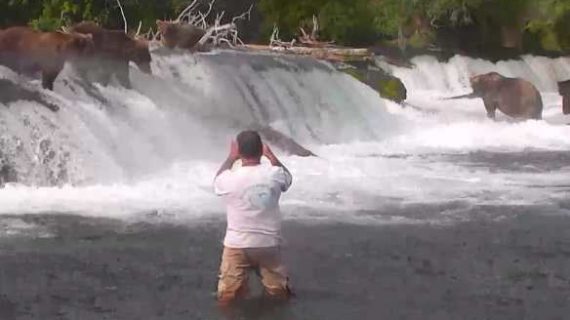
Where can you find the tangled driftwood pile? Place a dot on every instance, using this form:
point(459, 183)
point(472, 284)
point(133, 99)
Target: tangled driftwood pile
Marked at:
point(309, 44)
point(191, 30)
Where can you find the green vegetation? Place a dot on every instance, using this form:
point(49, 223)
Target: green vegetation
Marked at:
point(388, 86)
point(519, 25)
point(523, 25)
point(52, 14)
point(356, 73)
point(392, 89)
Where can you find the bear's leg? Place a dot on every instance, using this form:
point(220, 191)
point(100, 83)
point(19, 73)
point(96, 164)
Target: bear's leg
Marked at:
point(48, 78)
point(491, 107)
point(122, 74)
point(81, 67)
point(104, 75)
point(566, 104)
point(50, 72)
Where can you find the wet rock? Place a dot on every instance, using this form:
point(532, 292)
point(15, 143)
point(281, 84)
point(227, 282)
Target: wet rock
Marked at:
point(11, 92)
point(283, 142)
point(388, 86)
point(7, 174)
point(392, 89)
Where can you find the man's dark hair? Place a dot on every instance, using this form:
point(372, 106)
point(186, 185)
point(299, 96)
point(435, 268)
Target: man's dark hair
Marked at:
point(249, 144)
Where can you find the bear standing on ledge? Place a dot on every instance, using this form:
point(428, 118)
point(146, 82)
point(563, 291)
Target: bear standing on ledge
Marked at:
point(113, 51)
point(183, 36)
point(28, 51)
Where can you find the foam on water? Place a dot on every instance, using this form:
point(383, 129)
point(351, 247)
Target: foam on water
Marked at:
point(153, 151)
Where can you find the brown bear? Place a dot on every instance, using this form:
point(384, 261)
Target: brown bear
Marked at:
point(184, 36)
point(564, 91)
point(515, 97)
point(28, 51)
point(113, 51)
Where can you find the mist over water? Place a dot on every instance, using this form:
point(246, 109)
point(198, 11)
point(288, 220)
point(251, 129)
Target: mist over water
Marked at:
point(152, 151)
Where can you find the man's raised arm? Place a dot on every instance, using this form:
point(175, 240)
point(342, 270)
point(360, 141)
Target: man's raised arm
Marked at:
point(232, 157)
point(275, 162)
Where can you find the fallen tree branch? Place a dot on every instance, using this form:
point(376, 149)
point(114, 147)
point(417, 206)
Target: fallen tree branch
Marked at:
point(193, 18)
point(137, 34)
point(330, 54)
point(213, 30)
point(335, 51)
point(124, 17)
point(150, 35)
point(315, 32)
point(211, 5)
point(244, 15)
point(216, 33)
point(312, 39)
point(219, 17)
point(186, 10)
point(274, 40)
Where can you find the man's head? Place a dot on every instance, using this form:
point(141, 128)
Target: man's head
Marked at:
point(249, 145)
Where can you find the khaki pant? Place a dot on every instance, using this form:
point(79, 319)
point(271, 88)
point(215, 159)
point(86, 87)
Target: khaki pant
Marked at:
point(235, 267)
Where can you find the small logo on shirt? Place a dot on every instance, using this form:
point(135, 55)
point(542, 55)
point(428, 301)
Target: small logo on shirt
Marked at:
point(260, 196)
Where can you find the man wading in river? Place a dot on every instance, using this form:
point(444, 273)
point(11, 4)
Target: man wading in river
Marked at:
point(253, 232)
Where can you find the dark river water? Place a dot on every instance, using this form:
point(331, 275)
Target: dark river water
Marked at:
point(515, 268)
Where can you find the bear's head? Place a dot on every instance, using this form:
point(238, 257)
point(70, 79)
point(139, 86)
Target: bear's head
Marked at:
point(484, 82)
point(169, 33)
point(140, 55)
point(79, 44)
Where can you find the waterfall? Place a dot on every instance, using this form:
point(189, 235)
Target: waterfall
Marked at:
point(152, 151)
point(187, 110)
point(452, 77)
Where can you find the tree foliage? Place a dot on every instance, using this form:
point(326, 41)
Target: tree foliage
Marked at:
point(539, 24)
point(52, 14)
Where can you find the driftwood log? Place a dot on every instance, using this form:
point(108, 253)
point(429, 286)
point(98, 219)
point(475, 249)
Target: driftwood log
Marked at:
point(338, 54)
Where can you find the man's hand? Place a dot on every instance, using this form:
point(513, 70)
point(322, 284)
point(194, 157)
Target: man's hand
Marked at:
point(232, 157)
point(275, 162)
point(234, 151)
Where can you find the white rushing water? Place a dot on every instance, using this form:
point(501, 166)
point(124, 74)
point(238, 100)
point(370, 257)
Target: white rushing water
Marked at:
point(152, 151)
